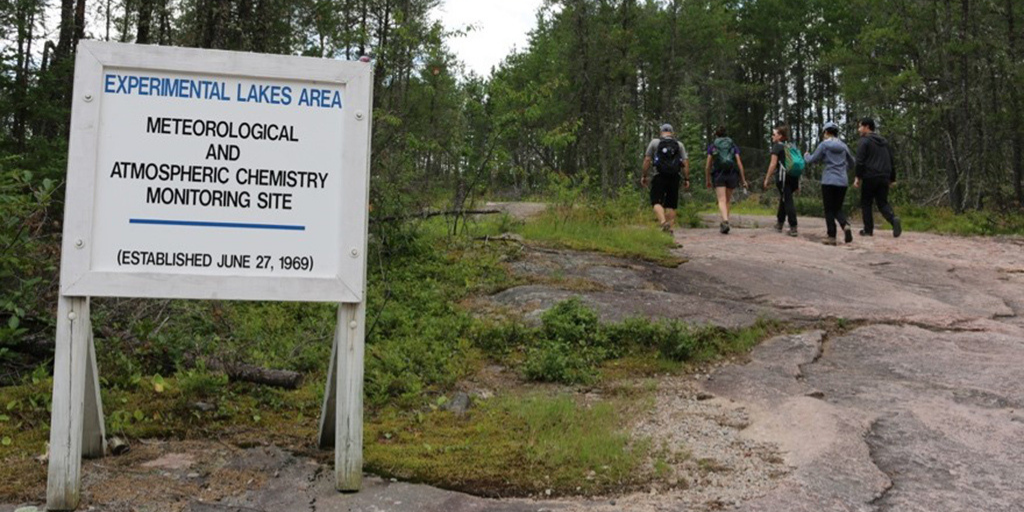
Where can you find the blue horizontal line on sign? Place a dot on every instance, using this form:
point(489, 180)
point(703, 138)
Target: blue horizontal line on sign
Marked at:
point(202, 224)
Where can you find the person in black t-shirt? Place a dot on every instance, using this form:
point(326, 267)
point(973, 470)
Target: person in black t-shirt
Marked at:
point(787, 185)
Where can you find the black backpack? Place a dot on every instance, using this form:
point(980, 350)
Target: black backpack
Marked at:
point(668, 160)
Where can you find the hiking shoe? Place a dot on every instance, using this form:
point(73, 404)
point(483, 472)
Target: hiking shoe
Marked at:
point(792, 232)
point(778, 227)
point(865, 233)
point(666, 227)
point(847, 234)
point(897, 227)
point(830, 241)
point(724, 228)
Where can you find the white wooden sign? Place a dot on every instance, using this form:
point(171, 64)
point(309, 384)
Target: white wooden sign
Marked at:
point(211, 175)
point(207, 174)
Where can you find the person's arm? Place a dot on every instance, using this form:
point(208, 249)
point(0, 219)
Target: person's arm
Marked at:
point(862, 158)
point(686, 174)
point(771, 169)
point(743, 173)
point(646, 169)
point(707, 173)
point(817, 155)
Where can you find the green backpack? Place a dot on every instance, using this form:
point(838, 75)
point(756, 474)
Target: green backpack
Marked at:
point(725, 155)
point(794, 161)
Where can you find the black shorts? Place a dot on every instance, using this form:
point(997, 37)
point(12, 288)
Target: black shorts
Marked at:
point(728, 180)
point(665, 190)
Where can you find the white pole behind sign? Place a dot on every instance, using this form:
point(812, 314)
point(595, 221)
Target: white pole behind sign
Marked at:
point(208, 174)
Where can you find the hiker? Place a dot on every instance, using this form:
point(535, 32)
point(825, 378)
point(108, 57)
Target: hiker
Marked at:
point(787, 182)
point(834, 180)
point(668, 157)
point(724, 158)
point(875, 174)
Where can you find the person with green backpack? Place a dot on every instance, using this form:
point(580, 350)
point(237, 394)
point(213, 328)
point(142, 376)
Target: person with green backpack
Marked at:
point(724, 159)
point(787, 160)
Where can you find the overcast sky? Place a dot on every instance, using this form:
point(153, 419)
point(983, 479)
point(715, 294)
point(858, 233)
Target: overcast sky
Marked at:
point(500, 26)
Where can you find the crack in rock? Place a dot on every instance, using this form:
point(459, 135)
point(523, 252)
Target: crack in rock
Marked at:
point(874, 441)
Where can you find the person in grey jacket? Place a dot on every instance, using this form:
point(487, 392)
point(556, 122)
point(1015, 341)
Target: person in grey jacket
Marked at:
point(834, 180)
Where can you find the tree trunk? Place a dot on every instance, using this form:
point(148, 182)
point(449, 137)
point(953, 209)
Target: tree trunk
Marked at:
point(145, 21)
point(1016, 113)
point(67, 31)
point(79, 23)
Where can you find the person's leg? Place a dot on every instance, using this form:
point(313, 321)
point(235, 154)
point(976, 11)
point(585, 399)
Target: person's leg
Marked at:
point(728, 201)
point(882, 198)
point(867, 197)
point(828, 199)
point(844, 223)
point(658, 198)
point(780, 216)
point(840, 207)
point(671, 203)
point(723, 203)
point(659, 213)
point(791, 186)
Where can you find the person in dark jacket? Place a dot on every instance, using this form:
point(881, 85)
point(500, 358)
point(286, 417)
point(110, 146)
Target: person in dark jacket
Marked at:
point(875, 174)
point(834, 180)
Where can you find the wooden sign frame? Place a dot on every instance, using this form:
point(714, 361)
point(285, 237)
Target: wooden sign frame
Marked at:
point(77, 421)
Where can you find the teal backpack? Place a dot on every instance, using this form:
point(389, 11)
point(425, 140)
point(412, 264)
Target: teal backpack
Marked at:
point(794, 161)
point(725, 155)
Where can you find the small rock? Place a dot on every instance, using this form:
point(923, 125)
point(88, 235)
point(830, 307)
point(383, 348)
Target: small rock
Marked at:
point(26, 509)
point(459, 404)
point(203, 406)
point(820, 395)
point(192, 475)
point(704, 396)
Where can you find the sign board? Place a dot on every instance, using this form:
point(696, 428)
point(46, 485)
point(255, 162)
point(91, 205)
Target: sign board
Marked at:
point(211, 175)
point(216, 175)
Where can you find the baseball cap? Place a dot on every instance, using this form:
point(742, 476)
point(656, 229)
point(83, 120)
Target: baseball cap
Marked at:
point(830, 124)
point(667, 128)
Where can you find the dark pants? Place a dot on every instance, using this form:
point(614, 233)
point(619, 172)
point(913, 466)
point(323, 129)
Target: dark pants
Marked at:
point(665, 190)
point(833, 197)
point(875, 190)
point(787, 207)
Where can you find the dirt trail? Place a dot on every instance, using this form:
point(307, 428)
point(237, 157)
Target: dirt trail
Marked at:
point(917, 405)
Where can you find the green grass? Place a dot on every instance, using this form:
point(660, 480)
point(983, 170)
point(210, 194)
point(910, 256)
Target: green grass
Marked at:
point(580, 230)
point(944, 220)
point(512, 445)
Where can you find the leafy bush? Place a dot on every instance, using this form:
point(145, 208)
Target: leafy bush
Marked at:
point(551, 361)
point(200, 383)
point(571, 345)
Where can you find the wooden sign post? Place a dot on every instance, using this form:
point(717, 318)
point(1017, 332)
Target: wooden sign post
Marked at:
point(202, 174)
